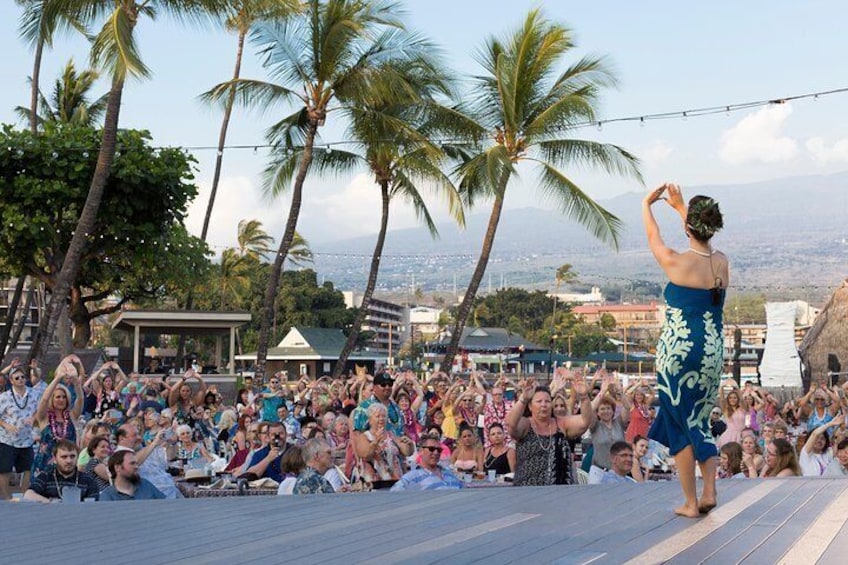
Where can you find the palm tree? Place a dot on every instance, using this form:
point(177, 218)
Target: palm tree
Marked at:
point(563, 274)
point(69, 102)
point(253, 241)
point(233, 278)
point(39, 23)
point(527, 113)
point(300, 253)
point(392, 138)
point(115, 50)
point(241, 16)
point(322, 58)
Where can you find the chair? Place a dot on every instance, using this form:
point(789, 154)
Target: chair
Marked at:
point(582, 477)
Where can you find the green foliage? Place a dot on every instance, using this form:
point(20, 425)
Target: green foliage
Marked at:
point(69, 102)
point(139, 245)
point(515, 308)
point(745, 308)
point(301, 301)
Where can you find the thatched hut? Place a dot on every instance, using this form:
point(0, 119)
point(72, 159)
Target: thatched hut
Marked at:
point(829, 335)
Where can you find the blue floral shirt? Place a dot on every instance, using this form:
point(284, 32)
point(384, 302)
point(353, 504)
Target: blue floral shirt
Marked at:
point(310, 482)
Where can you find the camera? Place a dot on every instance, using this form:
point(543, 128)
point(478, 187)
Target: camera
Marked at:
point(276, 443)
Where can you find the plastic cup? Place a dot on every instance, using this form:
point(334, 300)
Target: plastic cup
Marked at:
point(493, 475)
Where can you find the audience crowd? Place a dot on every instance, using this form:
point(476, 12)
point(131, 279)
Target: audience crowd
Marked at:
point(115, 437)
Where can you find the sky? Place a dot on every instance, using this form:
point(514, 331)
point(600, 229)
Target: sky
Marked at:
point(668, 56)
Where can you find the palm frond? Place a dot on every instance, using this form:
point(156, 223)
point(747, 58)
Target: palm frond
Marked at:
point(577, 205)
point(115, 49)
point(587, 154)
point(260, 95)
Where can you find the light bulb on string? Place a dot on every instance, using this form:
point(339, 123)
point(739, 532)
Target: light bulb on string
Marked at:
point(642, 121)
point(600, 126)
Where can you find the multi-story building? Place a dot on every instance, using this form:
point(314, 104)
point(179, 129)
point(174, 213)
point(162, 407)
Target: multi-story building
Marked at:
point(636, 324)
point(385, 319)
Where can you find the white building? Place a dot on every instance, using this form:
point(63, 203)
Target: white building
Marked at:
point(593, 297)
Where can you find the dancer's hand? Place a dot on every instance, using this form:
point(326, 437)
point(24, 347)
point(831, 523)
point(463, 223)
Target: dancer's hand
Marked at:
point(674, 197)
point(655, 195)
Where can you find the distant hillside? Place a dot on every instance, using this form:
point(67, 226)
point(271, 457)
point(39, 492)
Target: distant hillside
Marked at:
point(779, 233)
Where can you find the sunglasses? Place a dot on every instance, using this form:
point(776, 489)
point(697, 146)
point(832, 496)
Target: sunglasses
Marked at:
point(382, 384)
point(275, 382)
point(432, 448)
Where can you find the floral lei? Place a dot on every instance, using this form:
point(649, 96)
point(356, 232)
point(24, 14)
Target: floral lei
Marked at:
point(59, 429)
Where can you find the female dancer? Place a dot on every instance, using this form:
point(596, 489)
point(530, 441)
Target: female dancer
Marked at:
point(689, 353)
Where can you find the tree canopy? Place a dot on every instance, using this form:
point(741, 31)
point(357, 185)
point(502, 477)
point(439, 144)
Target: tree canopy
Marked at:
point(138, 246)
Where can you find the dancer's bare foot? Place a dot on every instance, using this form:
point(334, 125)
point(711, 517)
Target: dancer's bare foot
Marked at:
point(687, 511)
point(706, 504)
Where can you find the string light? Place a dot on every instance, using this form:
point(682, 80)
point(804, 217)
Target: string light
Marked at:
point(640, 118)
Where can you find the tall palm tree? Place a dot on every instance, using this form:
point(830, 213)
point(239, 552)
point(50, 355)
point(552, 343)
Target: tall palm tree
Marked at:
point(253, 241)
point(69, 102)
point(40, 21)
point(565, 275)
point(233, 279)
point(114, 50)
point(391, 137)
point(300, 253)
point(322, 58)
point(241, 16)
point(527, 113)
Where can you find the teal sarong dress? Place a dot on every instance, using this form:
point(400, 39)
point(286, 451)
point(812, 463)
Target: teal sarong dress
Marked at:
point(689, 365)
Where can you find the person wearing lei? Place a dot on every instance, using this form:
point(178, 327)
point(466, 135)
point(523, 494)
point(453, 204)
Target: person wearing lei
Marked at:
point(55, 415)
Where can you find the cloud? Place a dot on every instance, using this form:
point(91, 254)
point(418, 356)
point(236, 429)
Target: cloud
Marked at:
point(758, 137)
point(837, 153)
point(655, 154)
point(237, 199)
point(353, 211)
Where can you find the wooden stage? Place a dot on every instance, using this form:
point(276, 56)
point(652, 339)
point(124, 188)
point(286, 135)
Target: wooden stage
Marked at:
point(757, 522)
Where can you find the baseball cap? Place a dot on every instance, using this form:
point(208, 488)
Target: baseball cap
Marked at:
point(383, 379)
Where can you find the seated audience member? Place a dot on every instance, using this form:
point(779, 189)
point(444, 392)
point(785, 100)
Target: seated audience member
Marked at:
point(717, 425)
point(127, 483)
point(318, 458)
point(838, 467)
point(640, 472)
point(429, 475)
point(291, 423)
point(621, 459)
point(265, 462)
point(781, 460)
point(500, 457)
point(251, 443)
point(53, 484)
point(291, 466)
point(730, 461)
point(98, 450)
point(152, 458)
point(816, 455)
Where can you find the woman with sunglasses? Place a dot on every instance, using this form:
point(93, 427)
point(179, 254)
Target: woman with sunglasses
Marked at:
point(56, 416)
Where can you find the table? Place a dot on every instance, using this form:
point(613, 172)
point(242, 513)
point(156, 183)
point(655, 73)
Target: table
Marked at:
point(190, 490)
point(486, 484)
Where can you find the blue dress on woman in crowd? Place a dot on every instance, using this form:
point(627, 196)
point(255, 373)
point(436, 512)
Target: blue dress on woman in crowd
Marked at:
point(689, 365)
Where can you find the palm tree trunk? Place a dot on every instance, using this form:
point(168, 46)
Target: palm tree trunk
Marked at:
point(22, 319)
point(9, 322)
point(33, 97)
point(85, 224)
point(474, 284)
point(222, 138)
point(277, 268)
point(369, 287)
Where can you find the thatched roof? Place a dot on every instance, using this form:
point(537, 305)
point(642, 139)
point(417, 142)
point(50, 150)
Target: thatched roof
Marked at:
point(829, 334)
